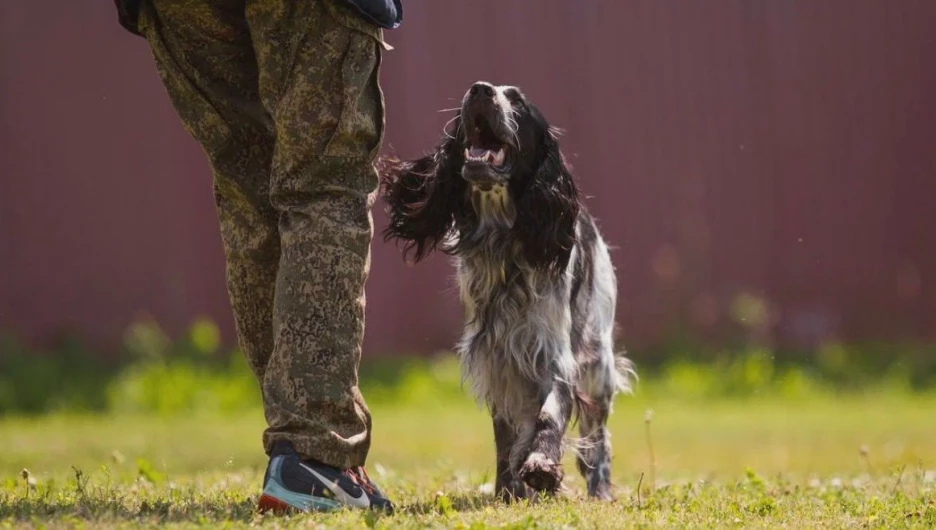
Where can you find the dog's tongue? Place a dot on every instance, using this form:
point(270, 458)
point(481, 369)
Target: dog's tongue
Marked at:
point(477, 152)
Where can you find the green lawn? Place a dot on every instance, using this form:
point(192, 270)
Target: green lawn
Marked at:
point(747, 463)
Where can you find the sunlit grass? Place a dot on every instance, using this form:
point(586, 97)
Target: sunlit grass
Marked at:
point(759, 461)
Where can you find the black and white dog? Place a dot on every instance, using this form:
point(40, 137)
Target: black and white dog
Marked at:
point(535, 279)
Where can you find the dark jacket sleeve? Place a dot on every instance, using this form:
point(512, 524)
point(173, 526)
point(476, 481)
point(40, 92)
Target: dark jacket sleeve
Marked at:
point(387, 14)
point(127, 12)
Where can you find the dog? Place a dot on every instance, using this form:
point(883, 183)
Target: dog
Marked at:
point(535, 279)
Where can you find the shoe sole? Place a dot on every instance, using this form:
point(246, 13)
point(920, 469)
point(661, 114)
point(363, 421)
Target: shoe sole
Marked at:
point(269, 504)
point(278, 500)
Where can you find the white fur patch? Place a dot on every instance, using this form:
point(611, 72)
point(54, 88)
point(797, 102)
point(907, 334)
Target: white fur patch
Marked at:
point(551, 408)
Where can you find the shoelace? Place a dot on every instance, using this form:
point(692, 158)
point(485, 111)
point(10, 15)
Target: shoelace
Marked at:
point(359, 476)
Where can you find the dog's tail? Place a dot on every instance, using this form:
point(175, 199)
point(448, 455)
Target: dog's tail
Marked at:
point(625, 374)
point(625, 371)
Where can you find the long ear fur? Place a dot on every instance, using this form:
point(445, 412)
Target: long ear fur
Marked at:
point(423, 198)
point(548, 208)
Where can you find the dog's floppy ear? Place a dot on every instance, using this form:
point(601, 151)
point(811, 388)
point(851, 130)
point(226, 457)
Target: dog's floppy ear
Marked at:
point(423, 197)
point(548, 206)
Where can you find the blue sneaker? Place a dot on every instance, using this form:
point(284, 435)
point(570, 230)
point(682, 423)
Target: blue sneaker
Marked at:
point(291, 483)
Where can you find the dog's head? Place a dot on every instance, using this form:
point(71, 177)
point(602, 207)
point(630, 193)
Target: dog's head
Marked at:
point(500, 132)
point(499, 168)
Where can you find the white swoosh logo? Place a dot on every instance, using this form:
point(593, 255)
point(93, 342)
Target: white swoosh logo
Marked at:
point(341, 495)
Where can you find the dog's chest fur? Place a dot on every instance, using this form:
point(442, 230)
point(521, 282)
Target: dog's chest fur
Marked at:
point(517, 330)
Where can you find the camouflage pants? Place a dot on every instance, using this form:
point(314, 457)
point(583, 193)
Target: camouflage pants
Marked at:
point(283, 96)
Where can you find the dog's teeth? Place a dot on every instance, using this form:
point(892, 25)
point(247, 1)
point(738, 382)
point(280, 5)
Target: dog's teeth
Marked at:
point(476, 154)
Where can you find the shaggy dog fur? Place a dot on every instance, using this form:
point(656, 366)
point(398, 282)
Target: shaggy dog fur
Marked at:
point(536, 282)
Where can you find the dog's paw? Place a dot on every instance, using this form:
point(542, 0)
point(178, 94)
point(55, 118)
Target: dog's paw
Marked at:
point(541, 473)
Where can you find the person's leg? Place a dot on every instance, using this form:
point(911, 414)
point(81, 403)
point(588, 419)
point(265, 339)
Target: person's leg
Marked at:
point(319, 81)
point(305, 171)
point(205, 59)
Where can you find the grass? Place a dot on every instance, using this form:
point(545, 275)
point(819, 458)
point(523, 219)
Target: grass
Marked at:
point(761, 461)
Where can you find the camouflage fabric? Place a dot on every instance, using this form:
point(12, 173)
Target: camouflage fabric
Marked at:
point(284, 98)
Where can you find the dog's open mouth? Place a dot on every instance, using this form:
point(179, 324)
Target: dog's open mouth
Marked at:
point(484, 145)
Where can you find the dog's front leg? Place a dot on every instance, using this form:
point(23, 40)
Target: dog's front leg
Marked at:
point(507, 485)
point(542, 469)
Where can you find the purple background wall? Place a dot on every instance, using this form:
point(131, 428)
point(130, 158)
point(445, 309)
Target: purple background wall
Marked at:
point(783, 149)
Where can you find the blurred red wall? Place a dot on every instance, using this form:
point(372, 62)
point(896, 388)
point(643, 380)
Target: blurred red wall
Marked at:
point(782, 149)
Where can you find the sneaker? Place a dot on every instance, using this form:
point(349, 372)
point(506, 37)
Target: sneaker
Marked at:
point(307, 485)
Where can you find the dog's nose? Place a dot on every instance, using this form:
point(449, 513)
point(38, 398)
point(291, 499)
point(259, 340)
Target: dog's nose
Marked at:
point(482, 89)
